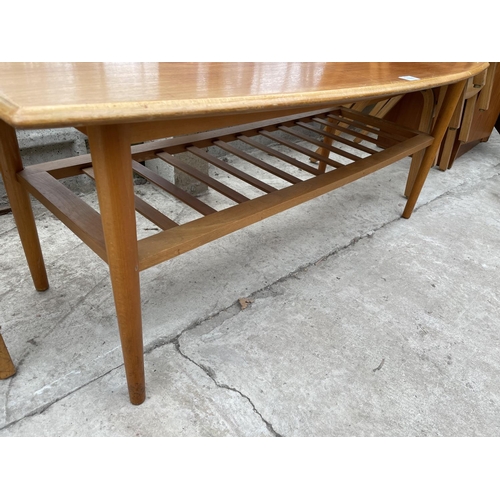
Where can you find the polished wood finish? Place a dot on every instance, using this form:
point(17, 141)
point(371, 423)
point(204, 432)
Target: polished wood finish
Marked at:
point(63, 94)
point(117, 105)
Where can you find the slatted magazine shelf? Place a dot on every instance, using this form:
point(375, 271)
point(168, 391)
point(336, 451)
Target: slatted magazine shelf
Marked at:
point(337, 165)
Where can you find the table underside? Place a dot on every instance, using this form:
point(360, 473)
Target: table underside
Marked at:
point(346, 144)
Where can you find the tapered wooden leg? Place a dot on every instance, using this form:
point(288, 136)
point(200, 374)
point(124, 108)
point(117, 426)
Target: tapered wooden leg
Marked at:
point(110, 150)
point(428, 106)
point(10, 164)
point(7, 368)
point(325, 151)
point(448, 108)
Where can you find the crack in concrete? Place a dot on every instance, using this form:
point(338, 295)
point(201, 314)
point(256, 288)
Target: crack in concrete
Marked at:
point(222, 315)
point(39, 410)
point(210, 373)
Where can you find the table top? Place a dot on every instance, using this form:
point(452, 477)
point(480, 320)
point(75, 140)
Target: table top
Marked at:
point(37, 95)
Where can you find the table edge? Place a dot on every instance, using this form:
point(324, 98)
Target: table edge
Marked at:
point(147, 111)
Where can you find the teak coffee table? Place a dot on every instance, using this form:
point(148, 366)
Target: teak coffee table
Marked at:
point(199, 105)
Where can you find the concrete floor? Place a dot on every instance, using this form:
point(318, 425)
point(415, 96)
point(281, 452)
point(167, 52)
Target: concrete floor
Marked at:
point(359, 323)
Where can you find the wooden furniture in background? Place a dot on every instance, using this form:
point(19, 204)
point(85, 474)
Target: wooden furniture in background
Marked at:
point(475, 117)
point(117, 105)
point(473, 120)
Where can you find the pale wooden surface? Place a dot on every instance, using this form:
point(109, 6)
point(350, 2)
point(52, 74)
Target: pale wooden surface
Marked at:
point(61, 94)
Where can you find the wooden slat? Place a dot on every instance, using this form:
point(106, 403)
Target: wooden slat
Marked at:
point(396, 131)
point(365, 129)
point(273, 170)
point(355, 145)
point(68, 167)
point(85, 222)
point(145, 209)
point(382, 108)
point(231, 170)
point(255, 161)
point(82, 219)
point(172, 189)
point(206, 179)
point(183, 125)
point(163, 246)
point(300, 149)
point(65, 167)
point(153, 215)
point(148, 150)
point(343, 129)
point(321, 144)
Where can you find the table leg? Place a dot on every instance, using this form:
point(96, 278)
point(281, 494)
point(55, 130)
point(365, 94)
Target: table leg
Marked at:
point(10, 164)
point(447, 109)
point(425, 125)
point(7, 368)
point(325, 151)
point(110, 150)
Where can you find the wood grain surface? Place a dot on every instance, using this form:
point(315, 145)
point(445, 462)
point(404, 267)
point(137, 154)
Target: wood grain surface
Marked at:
point(36, 95)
